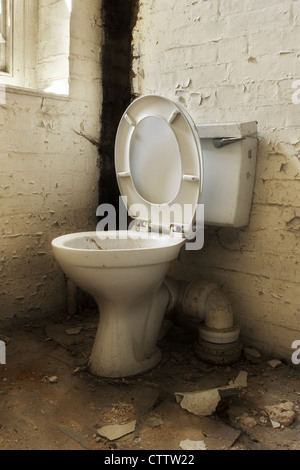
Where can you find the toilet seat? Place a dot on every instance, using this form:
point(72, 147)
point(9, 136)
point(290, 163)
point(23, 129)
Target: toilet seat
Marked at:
point(158, 161)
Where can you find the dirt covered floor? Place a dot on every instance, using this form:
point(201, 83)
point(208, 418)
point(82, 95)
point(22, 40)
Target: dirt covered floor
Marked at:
point(50, 401)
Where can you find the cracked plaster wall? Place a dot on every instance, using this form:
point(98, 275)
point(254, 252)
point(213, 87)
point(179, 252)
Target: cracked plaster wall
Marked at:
point(226, 61)
point(49, 173)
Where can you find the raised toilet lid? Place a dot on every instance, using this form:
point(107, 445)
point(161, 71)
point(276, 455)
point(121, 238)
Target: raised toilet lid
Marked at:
point(158, 163)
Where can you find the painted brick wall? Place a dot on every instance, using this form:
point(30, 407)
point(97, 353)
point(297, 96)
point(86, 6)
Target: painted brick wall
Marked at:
point(48, 173)
point(53, 45)
point(226, 61)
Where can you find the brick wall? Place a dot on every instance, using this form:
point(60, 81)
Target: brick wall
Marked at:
point(48, 173)
point(53, 45)
point(225, 61)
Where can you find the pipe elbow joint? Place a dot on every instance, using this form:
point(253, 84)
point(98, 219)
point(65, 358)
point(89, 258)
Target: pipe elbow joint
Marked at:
point(201, 307)
point(201, 300)
point(219, 313)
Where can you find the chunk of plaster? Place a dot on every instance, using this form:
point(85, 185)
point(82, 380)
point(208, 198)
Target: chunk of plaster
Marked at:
point(116, 431)
point(205, 402)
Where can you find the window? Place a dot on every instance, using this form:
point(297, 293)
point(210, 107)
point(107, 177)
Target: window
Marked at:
point(35, 44)
point(5, 35)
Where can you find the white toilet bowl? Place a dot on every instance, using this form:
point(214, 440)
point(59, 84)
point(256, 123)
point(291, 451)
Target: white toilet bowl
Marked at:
point(125, 274)
point(160, 170)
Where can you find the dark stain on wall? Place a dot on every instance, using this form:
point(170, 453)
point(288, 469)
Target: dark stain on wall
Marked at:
point(119, 18)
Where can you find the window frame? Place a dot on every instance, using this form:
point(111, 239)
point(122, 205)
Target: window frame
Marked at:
point(6, 30)
point(28, 33)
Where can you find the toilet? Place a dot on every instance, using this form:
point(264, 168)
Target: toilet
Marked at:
point(166, 168)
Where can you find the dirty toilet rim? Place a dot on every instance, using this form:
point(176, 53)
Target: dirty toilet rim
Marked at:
point(164, 240)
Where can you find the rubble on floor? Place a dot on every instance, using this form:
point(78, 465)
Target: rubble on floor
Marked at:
point(50, 401)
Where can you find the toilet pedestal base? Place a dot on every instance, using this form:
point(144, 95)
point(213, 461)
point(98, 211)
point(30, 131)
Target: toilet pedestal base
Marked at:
point(125, 343)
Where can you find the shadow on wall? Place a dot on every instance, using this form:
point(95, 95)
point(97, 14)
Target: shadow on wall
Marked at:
point(119, 19)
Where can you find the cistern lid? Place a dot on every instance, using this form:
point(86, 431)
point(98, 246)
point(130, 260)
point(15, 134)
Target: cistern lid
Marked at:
point(158, 161)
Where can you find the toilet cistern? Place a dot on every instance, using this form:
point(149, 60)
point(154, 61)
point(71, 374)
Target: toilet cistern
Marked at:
point(160, 168)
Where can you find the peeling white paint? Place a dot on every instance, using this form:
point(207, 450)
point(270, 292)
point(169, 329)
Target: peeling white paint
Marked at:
point(242, 59)
point(48, 178)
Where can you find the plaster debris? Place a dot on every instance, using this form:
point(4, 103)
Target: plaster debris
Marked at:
point(239, 382)
point(73, 331)
point(50, 380)
point(116, 431)
point(192, 445)
point(205, 403)
point(252, 354)
point(275, 424)
point(199, 403)
point(85, 400)
point(282, 414)
point(154, 422)
point(248, 421)
point(274, 363)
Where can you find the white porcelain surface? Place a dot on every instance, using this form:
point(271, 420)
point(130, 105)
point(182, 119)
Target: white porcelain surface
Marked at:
point(125, 276)
point(158, 160)
point(161, 165)
point(163, 159)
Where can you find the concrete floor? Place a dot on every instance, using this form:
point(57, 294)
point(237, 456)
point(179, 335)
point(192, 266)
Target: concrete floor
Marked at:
point(41, 413)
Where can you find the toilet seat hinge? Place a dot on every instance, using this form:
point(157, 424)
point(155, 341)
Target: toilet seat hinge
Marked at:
point(172, 229)
point(148, 226)
point(140, 226)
